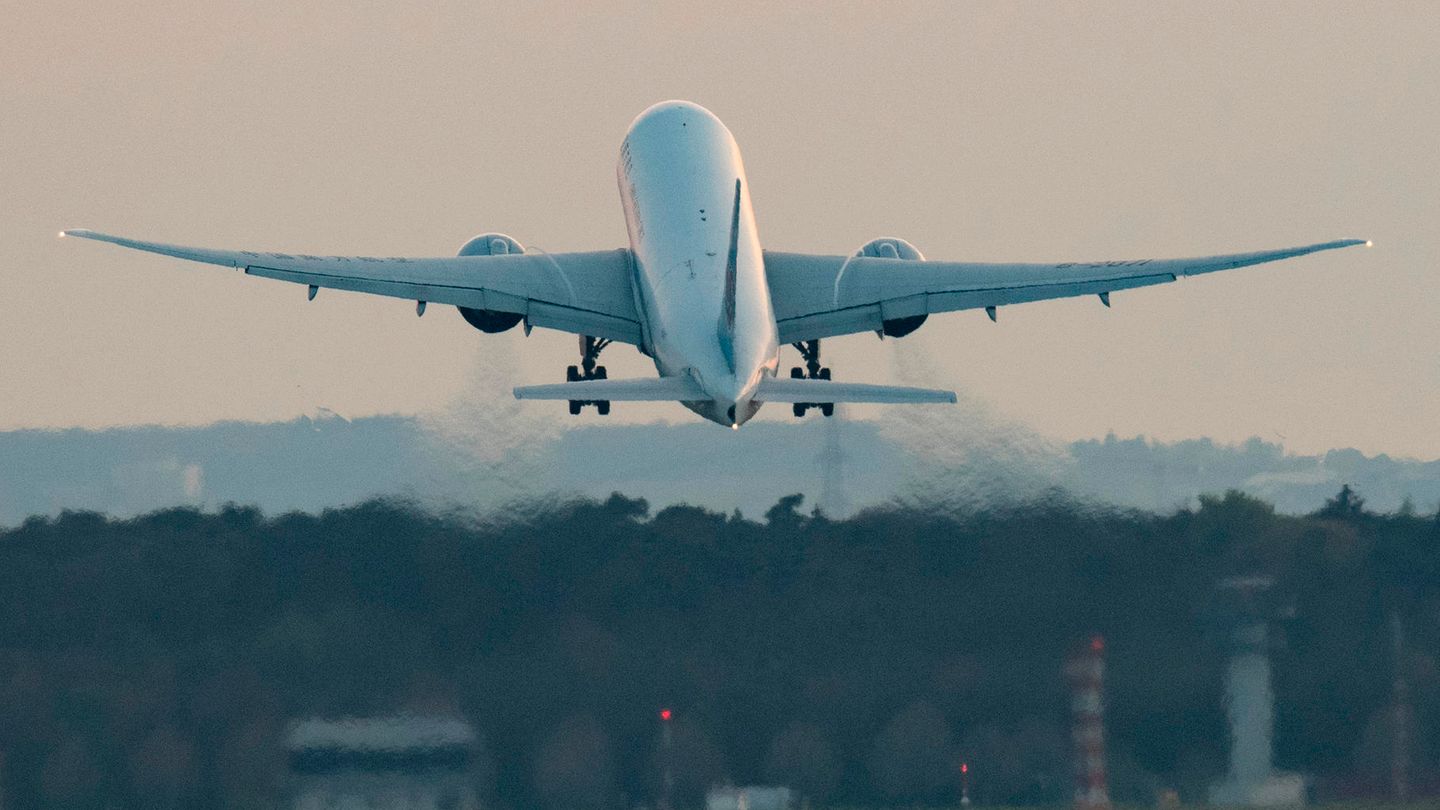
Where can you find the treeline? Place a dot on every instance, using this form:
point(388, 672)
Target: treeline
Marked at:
point(154, 662)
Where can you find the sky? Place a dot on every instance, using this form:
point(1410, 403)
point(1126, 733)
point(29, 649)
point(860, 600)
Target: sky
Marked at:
point(1004, 132)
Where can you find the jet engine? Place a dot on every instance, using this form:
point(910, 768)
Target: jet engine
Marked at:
point(488, 320)
point(890, 247)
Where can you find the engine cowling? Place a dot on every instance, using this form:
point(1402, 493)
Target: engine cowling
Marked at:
point(489, 320)
point(890, 247)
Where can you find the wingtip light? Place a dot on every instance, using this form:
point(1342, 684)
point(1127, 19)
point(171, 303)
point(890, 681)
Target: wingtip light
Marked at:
point(61, 235)
point(1369, 243)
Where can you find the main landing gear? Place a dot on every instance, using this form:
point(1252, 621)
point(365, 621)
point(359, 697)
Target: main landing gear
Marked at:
point(810, 353)
point(590, 349)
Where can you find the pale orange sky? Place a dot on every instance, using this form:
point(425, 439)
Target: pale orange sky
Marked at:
point(977, 131)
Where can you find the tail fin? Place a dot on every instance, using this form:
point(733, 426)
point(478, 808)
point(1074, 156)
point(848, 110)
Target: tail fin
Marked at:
point(727, 315)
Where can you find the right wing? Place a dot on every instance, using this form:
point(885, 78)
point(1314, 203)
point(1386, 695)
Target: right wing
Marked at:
point(822, 296)
point(584, 293)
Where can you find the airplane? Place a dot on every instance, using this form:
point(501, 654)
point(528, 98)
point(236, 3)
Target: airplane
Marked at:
point(696, 292)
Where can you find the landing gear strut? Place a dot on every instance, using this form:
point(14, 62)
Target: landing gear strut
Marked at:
point(810, 353)
point(590, 348)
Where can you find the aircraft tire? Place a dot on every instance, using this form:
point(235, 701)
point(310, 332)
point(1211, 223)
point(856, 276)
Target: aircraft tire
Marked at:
point(797, 373)
point(603, 406)
point(572, 374)
point(600, 373)
point(825, 374)
point(827, 408)
point(798, 409)
point(575, 407)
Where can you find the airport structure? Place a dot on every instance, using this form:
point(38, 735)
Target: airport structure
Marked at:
point(1249, 607)
point(415, 762)
point(1401, 715)
point(1086, 672)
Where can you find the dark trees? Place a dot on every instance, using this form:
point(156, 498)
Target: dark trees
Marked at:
point(154, 661)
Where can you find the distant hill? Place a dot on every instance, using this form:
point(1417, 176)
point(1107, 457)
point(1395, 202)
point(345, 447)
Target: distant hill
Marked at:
point(842, 465)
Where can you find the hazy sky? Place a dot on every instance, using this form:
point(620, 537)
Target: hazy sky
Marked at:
point(979, 132)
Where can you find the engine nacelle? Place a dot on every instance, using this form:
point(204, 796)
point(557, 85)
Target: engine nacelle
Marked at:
point(890, 247)
point(487, 320)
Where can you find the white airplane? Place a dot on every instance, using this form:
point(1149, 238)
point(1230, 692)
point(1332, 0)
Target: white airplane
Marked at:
point(696, 292)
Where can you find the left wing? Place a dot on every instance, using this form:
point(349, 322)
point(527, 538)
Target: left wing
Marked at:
point(584, 293)
point(822, 296)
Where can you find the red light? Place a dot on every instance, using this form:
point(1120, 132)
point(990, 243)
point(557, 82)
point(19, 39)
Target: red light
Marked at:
point(1097, 643)
point(964, 767)
point(665, 715)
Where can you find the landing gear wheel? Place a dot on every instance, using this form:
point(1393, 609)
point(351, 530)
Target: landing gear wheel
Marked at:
point(810, 353)
point(590, 348)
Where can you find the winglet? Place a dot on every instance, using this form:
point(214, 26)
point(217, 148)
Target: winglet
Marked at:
point(220, 257)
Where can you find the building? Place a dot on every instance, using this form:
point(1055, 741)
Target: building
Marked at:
point(749, 798)
point(1249, 606)
point(405, 762)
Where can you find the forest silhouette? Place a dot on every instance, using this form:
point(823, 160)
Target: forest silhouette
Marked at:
point(155, 661)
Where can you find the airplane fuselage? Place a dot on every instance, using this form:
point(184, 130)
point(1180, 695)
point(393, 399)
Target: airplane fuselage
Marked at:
point(678, 171)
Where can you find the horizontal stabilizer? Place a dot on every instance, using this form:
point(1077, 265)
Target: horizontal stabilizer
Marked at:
point(660, 389)
point(777, 389)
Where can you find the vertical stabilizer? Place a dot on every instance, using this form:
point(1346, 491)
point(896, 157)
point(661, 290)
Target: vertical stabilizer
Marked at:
point(727, 314)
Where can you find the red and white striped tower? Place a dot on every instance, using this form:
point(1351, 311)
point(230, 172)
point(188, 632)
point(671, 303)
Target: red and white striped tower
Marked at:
point(1086, 672)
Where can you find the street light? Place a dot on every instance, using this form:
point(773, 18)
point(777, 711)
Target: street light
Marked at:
point(667, 777)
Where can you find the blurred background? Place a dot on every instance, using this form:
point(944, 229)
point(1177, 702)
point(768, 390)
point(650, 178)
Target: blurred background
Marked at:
point(602, 654)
